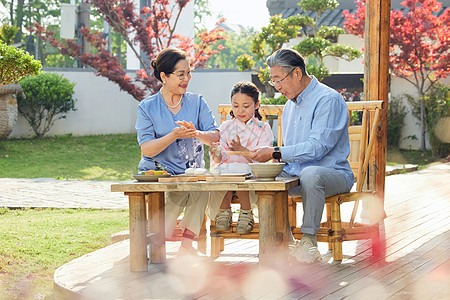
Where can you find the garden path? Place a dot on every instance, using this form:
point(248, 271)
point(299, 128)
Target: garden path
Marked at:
point(50, 192)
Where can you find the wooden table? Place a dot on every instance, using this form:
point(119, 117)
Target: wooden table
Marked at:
point(272, 208)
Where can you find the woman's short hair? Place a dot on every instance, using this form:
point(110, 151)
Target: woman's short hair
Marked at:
point(287, 59)
point(249, 89)
point(166, 60)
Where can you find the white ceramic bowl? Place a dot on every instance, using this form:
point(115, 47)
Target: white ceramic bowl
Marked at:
point(266, 171)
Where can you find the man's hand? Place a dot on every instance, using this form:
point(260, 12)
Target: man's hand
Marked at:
point(262, 154)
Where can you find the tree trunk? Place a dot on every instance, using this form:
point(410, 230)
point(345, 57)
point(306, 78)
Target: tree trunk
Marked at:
point(11, 12)
point(19, 20)
point(422, 125)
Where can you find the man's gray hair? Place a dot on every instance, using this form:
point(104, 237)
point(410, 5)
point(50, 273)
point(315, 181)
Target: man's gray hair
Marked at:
point(287, 59)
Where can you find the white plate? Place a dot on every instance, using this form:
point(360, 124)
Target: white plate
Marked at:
point(140, 177)
point(234, 174)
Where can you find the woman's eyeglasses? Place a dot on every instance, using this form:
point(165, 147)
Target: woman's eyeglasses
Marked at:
point(183, 75)
point(277, 82)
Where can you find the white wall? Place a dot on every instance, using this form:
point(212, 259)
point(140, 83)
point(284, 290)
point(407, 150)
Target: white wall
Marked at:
point(399, 87)
point(353, 66)
point(339, 65)
point(103, 109)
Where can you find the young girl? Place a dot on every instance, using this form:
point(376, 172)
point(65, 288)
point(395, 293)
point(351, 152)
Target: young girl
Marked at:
point(244, 132)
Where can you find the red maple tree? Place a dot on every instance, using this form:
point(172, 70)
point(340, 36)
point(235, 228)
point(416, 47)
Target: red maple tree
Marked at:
point(419, 42)
point(146, 33)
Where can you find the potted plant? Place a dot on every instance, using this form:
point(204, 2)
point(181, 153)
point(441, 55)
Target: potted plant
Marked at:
point(15, 64)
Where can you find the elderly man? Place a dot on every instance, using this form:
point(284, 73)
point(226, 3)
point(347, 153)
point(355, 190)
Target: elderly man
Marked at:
point(316, 143)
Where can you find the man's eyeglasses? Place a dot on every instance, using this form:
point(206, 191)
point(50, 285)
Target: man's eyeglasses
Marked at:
point(183, 75)
point(277, 82)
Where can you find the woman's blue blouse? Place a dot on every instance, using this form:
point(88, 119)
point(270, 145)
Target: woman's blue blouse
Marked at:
point(155, 120)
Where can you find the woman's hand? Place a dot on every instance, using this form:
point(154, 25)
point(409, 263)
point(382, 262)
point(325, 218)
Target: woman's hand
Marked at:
point(185, 131)
point(235, 144)
point(156, 146)
point(206, 137)
point(185, 124)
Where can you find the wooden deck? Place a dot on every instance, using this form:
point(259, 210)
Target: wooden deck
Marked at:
point(414, 265)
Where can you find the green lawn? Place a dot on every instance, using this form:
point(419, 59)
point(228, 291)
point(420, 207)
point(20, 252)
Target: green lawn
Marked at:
point(397, 156)
point(101, 157)
point(35, 242)
point(104, 157)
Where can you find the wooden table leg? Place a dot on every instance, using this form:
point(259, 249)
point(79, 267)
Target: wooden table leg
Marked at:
point(267, 226)
point(138, 234)
point(282, 224)
point(156, 223)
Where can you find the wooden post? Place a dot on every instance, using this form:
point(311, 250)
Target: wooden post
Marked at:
point(280, 128)
point(156, 220)
point(138, 235)
point(328, 207)
point(282, 224)
point(376, 77)
point(336, 226)
point(267, 226)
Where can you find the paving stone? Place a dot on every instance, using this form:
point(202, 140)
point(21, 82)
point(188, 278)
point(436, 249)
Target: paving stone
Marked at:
point(50, 192)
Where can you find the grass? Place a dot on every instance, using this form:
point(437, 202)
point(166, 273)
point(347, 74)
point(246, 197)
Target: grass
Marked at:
point(397, 156)
point(101, 157)
point(106, 157)
point(35, 242)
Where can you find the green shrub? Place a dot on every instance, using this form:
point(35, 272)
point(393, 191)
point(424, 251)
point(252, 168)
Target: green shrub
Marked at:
point(245, 62)
point(48, 99)
point(15, 64)
point(59, 61)
point(7, 33)
point(395, 121)
point(437, 107)
point(281, 100)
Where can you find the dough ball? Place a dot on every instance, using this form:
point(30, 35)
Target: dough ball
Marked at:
point(199, 171)
point(189, 171)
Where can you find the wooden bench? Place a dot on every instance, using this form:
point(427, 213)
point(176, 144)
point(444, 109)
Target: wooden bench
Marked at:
point(333, 230)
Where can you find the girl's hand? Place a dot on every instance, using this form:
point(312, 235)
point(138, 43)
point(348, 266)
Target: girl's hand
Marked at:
point(235, 144)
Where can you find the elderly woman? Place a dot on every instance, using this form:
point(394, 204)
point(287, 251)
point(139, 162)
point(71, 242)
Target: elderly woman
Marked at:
point(172, 126)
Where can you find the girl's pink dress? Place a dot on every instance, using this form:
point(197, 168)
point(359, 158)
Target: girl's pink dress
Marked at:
point(253, 134)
